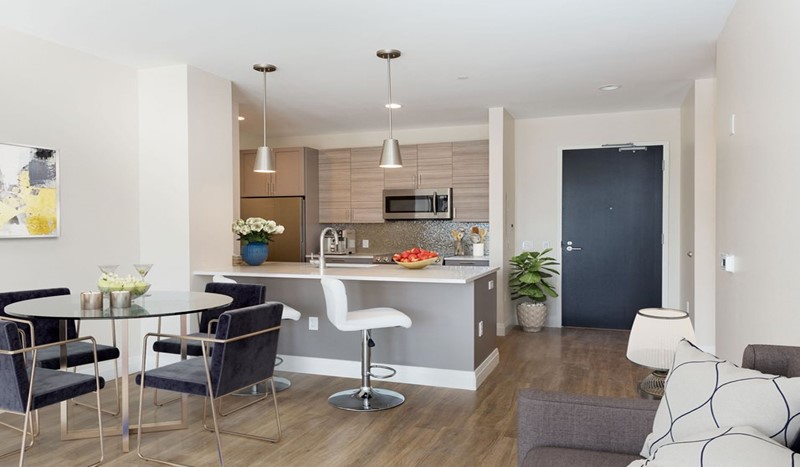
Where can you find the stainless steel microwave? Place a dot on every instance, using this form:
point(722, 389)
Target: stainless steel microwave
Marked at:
point(429, 203)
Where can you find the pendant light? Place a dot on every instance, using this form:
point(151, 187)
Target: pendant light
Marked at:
point(265, 159)
point(390, 156)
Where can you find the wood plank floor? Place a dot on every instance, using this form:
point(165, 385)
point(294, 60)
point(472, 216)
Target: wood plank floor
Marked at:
point(435, 427)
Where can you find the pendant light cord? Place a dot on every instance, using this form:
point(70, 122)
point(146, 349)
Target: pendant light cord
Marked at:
point(389, 70)
point(265, 106)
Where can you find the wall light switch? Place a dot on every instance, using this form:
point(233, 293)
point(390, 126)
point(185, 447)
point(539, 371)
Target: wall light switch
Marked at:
point(365, 243)
point(545, 244)
point(491, 285)
point(313, 323)
point(480, 328)
point(733, 124)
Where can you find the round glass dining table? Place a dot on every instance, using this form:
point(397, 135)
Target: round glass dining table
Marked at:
point(153, 305)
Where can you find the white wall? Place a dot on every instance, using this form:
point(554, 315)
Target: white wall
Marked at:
point(501, 208)
point(686, 293)
point(186, 139)
point(85, 108)
point(375, 138)
point(757, 176)
point(539, 143)
point(705, 205)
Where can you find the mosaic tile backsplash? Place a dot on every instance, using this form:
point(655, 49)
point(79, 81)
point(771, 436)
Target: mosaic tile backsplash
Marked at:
point(394, 236)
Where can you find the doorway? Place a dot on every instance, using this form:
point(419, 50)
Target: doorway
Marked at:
point(612, 235)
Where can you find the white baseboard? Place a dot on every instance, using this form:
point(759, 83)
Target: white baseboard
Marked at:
point(438, 377)
point(443, 378)
point(487, 367)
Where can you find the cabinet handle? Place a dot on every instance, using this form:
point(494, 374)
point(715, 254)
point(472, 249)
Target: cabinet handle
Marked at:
point(419, 183)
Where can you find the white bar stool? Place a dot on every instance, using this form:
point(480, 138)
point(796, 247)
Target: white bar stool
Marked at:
point(281, 383)
point(366, 398)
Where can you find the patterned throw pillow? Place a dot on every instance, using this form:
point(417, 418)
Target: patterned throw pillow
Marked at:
point(703, 393)
point(742, 446)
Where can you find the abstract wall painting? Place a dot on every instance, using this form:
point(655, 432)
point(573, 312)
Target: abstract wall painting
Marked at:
point(28, 192)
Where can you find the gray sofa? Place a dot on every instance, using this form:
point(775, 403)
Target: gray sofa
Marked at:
point(555, 429)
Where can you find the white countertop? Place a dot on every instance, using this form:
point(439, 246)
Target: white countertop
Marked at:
point(380, 273)
point(466, 258)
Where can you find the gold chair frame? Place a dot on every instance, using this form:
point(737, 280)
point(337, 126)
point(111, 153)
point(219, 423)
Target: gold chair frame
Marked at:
point(29, 420)
point(206, 341)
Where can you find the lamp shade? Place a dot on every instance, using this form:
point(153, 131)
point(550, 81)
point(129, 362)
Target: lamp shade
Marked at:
point(265, 160)
point(655, 335)
point(390, 156)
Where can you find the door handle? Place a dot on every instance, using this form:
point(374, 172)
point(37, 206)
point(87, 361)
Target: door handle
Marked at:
point(573, 248)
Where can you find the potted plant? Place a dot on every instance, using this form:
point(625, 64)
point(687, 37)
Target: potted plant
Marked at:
point(528, 279)
point(255, 234)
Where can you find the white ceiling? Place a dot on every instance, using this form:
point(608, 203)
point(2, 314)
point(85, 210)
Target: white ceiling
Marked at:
point(534, 57)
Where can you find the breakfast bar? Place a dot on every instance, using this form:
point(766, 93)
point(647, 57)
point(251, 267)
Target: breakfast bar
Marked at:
point(451, 342)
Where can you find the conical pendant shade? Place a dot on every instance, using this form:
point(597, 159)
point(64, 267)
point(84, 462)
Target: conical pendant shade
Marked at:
point(390, 156)
point(265, 160)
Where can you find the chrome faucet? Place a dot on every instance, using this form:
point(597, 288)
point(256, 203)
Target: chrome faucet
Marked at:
point(322, 245)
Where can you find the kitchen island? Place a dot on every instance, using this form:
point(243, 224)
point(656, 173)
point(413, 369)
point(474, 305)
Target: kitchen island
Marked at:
point(451, 342)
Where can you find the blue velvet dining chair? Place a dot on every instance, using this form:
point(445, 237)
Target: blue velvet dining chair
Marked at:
point(243, 295)
point(241, 354)
point(46, 331)
point(26, 388)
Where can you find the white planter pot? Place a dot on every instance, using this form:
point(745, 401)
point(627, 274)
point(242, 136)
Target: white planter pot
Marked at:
point(531, 316)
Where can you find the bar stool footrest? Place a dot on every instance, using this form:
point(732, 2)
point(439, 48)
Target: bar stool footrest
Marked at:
point(382, 367)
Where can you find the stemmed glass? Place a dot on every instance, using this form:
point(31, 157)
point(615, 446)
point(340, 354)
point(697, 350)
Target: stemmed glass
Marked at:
point(142, 269)
point(108, 268)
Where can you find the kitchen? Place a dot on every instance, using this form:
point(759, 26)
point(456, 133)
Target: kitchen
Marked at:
point(344, 189)
point(374, 213)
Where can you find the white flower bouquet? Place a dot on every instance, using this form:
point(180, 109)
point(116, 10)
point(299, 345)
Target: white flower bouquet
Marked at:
point(256, 230)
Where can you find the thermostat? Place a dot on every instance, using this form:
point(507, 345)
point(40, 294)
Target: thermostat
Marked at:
point(728, 263)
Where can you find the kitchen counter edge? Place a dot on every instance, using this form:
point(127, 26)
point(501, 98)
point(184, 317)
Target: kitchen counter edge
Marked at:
point(378, 273)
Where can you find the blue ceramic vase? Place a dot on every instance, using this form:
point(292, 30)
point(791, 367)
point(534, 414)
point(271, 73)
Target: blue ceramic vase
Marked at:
point(255, 253)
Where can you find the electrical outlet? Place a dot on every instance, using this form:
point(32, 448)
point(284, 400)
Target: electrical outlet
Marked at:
point(545, 244)
point(491, 285)
point(365, 243)
point(313, 323)
point(527, 245)
point(480, 328)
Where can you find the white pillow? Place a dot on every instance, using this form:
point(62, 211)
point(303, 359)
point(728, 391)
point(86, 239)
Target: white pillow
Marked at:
point(729, 447)
point(704, 392)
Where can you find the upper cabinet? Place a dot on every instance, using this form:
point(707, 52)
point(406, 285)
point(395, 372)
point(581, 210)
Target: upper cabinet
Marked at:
point(424, 166)
point(334, 186)
point(435, 165)
point(471, 181)
point(366, 185)
point(292, 167)
point(351, 183)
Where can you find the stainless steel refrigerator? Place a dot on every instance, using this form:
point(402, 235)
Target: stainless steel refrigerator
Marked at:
point(288, 212)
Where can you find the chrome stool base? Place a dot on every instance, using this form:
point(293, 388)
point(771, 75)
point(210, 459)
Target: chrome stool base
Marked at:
point(281, 383)
point(366, 400)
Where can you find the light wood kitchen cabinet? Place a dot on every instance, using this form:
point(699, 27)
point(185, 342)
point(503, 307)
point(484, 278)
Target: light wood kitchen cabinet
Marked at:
point(435, 165)
point(471, 181)
point(366, 185)
point(288, 179)
point(424, 166)
point(405, 177)
point(334, 186)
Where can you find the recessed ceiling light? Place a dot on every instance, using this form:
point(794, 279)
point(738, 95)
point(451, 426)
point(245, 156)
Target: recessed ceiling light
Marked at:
point(610, 87)
point(241, 118)
point(462, 77)
point(393, 106)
